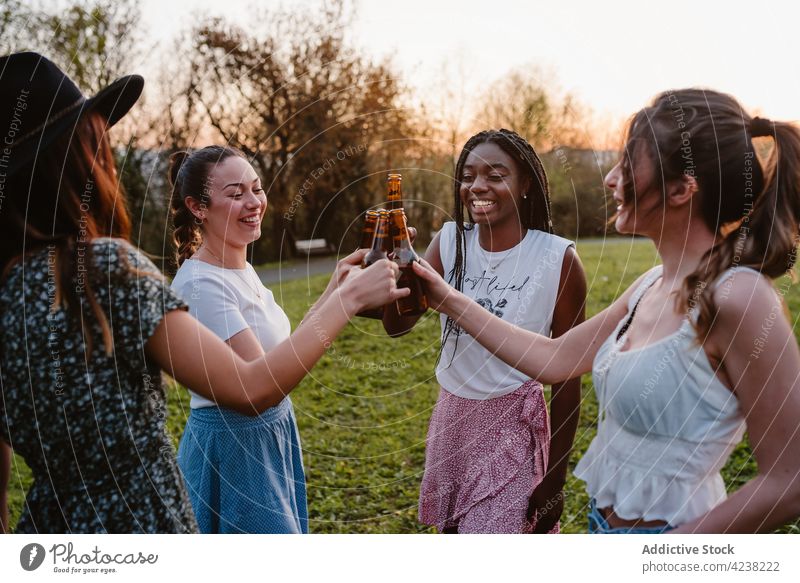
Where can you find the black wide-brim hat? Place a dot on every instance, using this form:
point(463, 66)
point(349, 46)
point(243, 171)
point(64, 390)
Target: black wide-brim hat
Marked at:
point(39, 103)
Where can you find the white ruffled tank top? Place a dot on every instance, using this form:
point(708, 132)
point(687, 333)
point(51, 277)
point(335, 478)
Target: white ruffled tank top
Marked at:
point(667, 425)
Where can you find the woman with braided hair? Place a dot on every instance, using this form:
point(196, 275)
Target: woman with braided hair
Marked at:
point(698, 349)
point(491, 463)
point(243, 473)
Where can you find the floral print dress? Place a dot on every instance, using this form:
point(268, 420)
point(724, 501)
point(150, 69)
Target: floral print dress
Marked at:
point(91, 426)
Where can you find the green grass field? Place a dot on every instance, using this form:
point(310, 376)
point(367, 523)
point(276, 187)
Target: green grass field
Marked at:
point(364, 411)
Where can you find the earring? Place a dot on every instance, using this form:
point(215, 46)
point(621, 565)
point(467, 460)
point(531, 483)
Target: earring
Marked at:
point(525, 195)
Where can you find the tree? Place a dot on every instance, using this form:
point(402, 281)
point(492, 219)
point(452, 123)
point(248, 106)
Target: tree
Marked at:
point(15, 19)
point(96, 42)
point(559, 127)
point(531, 103)
point(320, 122)
point(578, 199)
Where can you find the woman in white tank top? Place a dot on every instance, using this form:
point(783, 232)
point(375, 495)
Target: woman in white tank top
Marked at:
point(699, 348)
point(492, 463)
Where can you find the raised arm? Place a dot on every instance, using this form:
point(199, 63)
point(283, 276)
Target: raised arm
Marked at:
point(549, 360)
point(198, 359)
point(761, 360)
point(397, 325)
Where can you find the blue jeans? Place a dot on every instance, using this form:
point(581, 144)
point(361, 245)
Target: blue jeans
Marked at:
point(599, 525)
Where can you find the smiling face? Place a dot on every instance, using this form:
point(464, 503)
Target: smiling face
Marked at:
point(491, 186)
point(643, 214)
point(237, 204)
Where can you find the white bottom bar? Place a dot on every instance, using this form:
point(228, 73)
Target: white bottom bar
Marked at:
point(414, 558)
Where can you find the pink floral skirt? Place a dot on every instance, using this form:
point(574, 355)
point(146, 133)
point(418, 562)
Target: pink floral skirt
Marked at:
point(483, 460)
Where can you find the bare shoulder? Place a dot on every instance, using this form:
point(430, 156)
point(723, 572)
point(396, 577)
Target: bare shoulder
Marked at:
point(573, 276)
point(571, 263)
point(570, 308)
point(433, 254)
point(744, 295)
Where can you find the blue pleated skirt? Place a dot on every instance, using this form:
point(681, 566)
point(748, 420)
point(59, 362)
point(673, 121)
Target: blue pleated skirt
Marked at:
point(245, 474)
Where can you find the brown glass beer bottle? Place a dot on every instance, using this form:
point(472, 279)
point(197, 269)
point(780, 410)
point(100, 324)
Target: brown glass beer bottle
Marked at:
point(395, 191)
point(415, 303)
point(368, 231)
point(377, 251)
point(394, 200)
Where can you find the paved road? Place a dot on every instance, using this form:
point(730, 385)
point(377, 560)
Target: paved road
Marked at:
point(298, 269)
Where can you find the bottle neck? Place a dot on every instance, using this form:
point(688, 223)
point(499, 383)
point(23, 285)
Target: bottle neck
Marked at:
point(366, 238)
point(404, 252)
point(378, 240)
point(401, 240)
point(368, 232)
point(395, 193)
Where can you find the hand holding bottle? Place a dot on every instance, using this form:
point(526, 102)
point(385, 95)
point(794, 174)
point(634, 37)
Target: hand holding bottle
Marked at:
point(340, 272)
point(345, 266)
point(437, 290)
point(371, 287)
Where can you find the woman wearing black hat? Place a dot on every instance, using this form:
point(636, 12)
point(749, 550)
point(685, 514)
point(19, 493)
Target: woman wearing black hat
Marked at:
point(87, 323)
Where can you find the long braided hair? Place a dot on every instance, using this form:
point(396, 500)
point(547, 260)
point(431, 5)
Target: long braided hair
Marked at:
point(189, 177)
point(534, 209)
point(753, 210)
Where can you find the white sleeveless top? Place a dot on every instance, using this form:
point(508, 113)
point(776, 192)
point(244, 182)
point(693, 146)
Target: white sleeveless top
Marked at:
point(519, 285)
point(228, 301)
point(667, 426)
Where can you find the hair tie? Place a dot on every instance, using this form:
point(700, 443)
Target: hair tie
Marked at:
point(760, 127)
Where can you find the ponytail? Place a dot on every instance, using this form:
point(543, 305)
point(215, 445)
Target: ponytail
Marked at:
point(766, 236)
point(187, 229)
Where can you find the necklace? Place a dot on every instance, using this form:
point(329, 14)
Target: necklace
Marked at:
point(249, 285)
point(497, 263)
point(495, 266)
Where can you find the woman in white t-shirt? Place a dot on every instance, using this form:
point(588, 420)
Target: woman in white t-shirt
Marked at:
point(244, 474)
point(491, 465)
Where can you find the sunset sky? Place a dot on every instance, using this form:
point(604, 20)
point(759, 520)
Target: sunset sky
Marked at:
point(614, 55)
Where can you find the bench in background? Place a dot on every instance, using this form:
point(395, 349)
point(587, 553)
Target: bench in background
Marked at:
point(313, 247)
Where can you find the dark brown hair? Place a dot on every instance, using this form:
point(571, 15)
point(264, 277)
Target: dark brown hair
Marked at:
point(189, 177)
point(534, 210)
point(68, 196)
point(752, 210)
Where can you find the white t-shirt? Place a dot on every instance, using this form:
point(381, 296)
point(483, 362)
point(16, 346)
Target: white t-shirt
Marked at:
point(227, 301)
point(519, 285)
